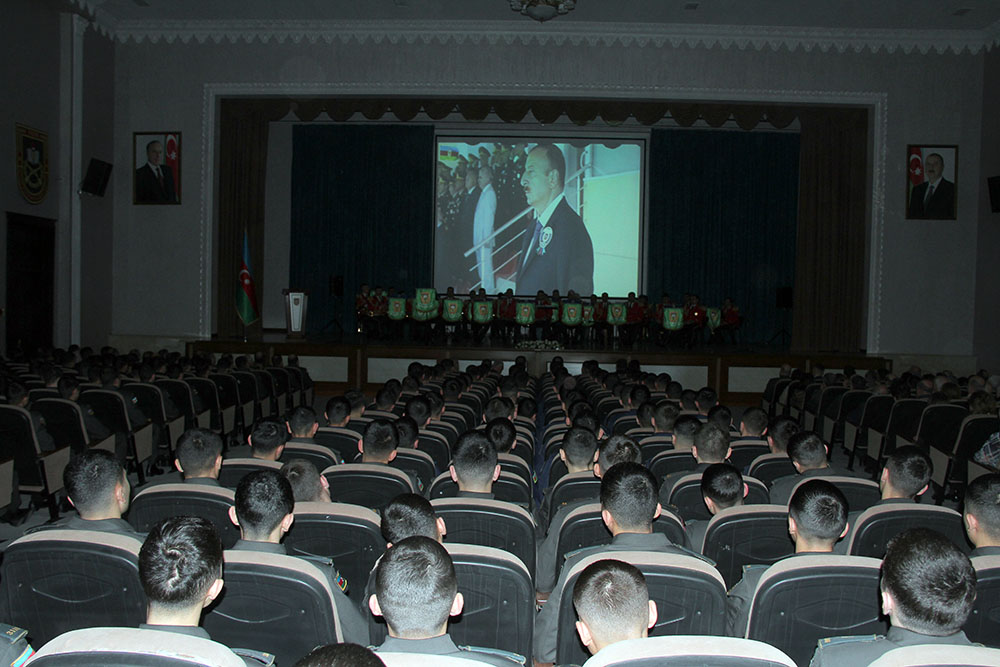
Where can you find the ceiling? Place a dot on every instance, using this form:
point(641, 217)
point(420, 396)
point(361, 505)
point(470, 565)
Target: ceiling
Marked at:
point(902, 15)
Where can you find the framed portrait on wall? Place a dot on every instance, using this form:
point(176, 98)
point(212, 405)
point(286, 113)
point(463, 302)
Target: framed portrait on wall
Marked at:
point(156, 167)
point(931, 185)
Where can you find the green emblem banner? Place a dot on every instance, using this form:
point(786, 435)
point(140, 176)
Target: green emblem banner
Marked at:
point(588, 316)
point(616, 313)
point(452, 310)
point(482, 312)
point(525, 314)
point(397, 308)
point(572, 314)
point(426, 299)
point(673, 318)
point(714, 318)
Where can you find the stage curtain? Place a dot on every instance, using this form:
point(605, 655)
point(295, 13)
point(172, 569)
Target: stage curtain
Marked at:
point(829, 278)
point(722, 211)
point(242, 175)
point(362, 207)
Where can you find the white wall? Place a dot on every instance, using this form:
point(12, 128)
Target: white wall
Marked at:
point(923, 289)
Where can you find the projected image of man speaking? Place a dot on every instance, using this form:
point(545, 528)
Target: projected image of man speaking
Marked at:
point(557, 252)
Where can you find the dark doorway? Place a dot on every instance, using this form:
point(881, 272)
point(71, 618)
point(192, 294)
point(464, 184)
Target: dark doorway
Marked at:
point(31, 243)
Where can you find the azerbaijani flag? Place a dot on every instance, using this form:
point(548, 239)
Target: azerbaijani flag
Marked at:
point(246, 295)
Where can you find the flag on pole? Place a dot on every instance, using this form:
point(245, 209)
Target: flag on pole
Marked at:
point(171, 159)
point(916, 165)
point(246, 295)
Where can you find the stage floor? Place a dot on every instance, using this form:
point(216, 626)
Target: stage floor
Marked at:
point(738, 373)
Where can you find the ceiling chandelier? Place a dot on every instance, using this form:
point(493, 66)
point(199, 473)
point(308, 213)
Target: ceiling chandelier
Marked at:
point(542, 10)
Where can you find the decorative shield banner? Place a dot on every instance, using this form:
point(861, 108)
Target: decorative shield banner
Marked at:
point(482, 312)
point(425, 299)
point(572, 314)
point(616, 313)
point(397, 308)
point(32, 149)
point(714, 318)
point(422, 314)
point(452, 310)
point(673, 318)
point(525, 314)
point(588, 316)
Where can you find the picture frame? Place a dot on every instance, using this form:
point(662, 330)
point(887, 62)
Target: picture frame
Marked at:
point(931, 182)
point(156, 167)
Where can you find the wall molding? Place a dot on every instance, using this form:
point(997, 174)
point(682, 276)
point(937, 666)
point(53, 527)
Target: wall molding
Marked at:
point(877, 101)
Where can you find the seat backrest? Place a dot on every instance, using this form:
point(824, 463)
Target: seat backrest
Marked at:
point(670, 462)
point(877, 525)
point(769, 467)
point(690, 598)
point(57, 580)
point(349, 535)
point(829, 401)
point(745, 451)
point(684, 650)
point(233, 470)
point(686, 497)
point(983, 624)
point(44, 392)
point(391, 659)
point(751, 534)
point(850, 401)
point(878, 408)
point(939, 655)
point(436, 445)
point(803, 599)
point(417, 464)
point(64, 422)
point(571, 488)
point(181, 394)
point(584, 527)
point(320, 456)
point(489, 523)
point(150, 401)
point(757, 493)
point(508, 487)
point(344, 441)
point(904, 420)
point(860, 493)
point(127, 647)
point(108, 407)
point(18, 442)
point(940, 424)
point(227, 388)
point(152, 505)
point(275, 603)
point(367, 484)
point(973, 433)
point(207, 391)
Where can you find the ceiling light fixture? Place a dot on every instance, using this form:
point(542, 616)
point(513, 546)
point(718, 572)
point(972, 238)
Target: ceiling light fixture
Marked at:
point(542, 10)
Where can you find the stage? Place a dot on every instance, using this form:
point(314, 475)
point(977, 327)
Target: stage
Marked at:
point(738, 373)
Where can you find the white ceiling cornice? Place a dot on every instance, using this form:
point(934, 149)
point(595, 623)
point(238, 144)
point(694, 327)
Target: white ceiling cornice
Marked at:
point(709, 36)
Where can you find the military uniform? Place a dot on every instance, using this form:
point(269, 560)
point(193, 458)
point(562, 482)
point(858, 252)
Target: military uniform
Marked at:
point(669, 481)
point(202, 633)
point(14, 648)
point(76, 522)
point(866, 649)
point(781, 489)
point(852, 522)
point(444, 645)
point(354, 627)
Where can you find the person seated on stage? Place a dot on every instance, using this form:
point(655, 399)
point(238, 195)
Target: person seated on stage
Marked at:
point(982, 515)
point(628, 508)
point(180, 567)
point(721, 416)
point(302, 425)
point(695, 317)
point(337, 412)
point(416, 590)
point(753, 424)
point(69, 389)
point(780, 432)
point(722, 487)
point(730, 320)
point(928, 590)
point(97, 487)
point(612, 602)
point(616, 449)
point(810, 457)
point(340, 655)
point(263, 510)
point(474, 466)
point(817, 518)
point(308, 486)
point(710, 445)
point(266, 442)
point(705, 400)
point(17, 395)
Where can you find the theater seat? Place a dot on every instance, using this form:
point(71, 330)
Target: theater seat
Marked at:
point(751, 534)
point(686, 650)
point(321, 457)
point(131, 647)
point(370, 485)
point(349, 535)
point(686, 496)
point(54, 581)
point(344, 441)
point(64, 422)
point(803, 599)
point(38, 473)
point(877, 525)
point(489, 523)
point(152, 505)
point(860, 493)
point(508, 487)
point(427, 660)
point(939, 655)
point(416, 463)
point(983, 625)
point(233, 470)
point(273, 602)
point(670, 462)
point(690, 598)
point(584, 527)
point(769, 467)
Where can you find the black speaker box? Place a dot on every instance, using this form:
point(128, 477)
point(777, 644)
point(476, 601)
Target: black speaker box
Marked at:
point(994, 185)
point(95, 182)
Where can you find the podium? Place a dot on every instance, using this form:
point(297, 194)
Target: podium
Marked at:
point(296, 304)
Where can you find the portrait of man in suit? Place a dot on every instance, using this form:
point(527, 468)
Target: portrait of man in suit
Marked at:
point(154, 181)
point(934, 198)
point(557, 251)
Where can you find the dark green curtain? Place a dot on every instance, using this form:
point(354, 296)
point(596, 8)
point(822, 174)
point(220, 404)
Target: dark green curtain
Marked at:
point(722, 220)
point(362, 204)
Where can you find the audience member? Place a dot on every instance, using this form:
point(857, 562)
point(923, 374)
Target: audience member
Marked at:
point(97, 487)
point(308, 486)
point(613, 605)
point(340, 655)
point(722, 487)
point(474, 466)
point(266, 442)
point(710, 445)
point(809, 456)
point(982, 514)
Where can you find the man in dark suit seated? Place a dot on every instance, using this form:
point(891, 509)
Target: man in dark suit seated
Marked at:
point(557, 251)
point(154, 183)
point(416, 590)
point(928, 589)
point(934, 199)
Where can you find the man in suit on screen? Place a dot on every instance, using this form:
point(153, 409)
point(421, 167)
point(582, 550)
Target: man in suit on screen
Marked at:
point(557, 252)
